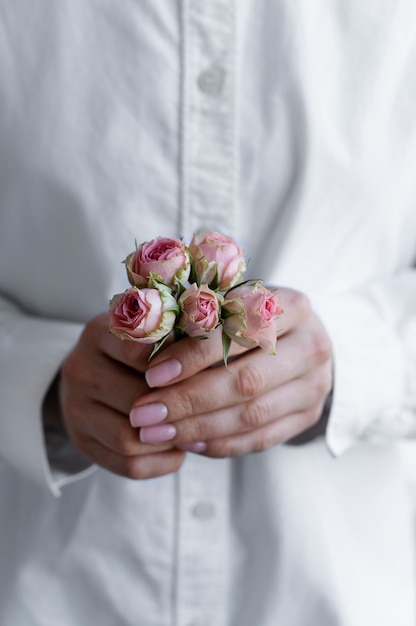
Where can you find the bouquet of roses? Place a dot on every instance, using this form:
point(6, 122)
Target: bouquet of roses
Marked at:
point(179, 290)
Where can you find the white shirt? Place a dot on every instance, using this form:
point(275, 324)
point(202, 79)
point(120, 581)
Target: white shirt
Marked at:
point(292, 126)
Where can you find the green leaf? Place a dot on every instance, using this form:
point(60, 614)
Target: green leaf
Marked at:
point(193, 275)
point(155, 281)
point(226, 343)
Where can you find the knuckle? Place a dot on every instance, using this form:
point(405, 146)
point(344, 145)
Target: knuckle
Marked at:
point(134, 354)
point(321, 346)
point(301, 303)
point(190, 430)
point(76, 371)
point(311, 416)
point(321, 384)
point(123, 444)
point(195, 429)
point(204, 352)
point(72, 369)
point(249, 381)
point(227, 448)
point(142, 468)
point(264, 441)
point(186, 403)
point(133, 467)
point(136, 467)
point(196, 356)
point(71, 409)
point(254, 414)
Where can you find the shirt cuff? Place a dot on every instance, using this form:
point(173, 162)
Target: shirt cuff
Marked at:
point(32, 350)
point(369, 374)
point(66, 465)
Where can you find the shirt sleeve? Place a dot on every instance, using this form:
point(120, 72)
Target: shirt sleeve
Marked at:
point(373, 331)
point(31, 352)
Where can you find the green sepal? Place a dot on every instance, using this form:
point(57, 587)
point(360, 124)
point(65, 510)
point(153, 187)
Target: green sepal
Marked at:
point(192, 276)
point(214, 284)
point(180, 287)
point(155, 280)
point(249, 281)
point(157, 346)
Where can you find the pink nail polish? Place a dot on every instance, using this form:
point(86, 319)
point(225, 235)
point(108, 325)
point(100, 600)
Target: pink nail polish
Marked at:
point(157, 434)
point(148, 414)
point(163, 373)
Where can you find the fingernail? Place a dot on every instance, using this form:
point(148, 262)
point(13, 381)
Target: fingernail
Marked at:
point(148, 414)
point(157, 434)
point(196, 446)
point(163, 373)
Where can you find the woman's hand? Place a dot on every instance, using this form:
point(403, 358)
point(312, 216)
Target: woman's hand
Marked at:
point(99, 381)
point(261, 401)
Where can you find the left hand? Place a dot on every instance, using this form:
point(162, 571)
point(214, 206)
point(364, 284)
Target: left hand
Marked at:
point(261, 401)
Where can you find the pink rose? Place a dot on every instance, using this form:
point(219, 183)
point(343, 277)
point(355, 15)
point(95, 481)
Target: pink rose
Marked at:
point(216, 260)
point(168, 259)
point(249, 314)
point(145, 315)
point(200, 309)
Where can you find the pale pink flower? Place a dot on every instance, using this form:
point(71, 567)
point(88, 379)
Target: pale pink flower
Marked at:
point(200, 310)
point(217, 260)
point(144, 315)
point(249, 314)
point(165, 258)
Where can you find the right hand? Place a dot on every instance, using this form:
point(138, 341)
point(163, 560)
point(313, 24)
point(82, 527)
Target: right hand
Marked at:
point(99, 381)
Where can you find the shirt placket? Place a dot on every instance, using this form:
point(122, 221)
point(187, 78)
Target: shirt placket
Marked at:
point(203, 543)
point(208, 129)
point(208, 200)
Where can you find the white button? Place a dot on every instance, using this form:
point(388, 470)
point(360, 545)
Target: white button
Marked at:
point(211, 81)
point(203, 510)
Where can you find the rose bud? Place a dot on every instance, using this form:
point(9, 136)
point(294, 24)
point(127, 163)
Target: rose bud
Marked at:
point(145, 315)
point(168, 259)
point(200, 310)
point(216, 260)
point(249, 313)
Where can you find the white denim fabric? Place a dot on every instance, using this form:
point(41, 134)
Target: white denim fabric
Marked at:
point(291, 126)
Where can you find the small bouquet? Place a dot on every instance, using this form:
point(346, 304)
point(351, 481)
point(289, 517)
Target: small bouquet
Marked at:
point(192, 290)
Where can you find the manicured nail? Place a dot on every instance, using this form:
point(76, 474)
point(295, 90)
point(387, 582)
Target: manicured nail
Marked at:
point(196, 446)
point(163, 373)
point(157, 434)
point(148, 414)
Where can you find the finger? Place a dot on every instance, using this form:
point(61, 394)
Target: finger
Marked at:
point(112, 431)
point(296, 308)
point(263, 438)
point(185, 358)
point(91, 372)
point(134, 354)
point(296, 396)
point(136, 467)
point(252, 375)
point(113, 384)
